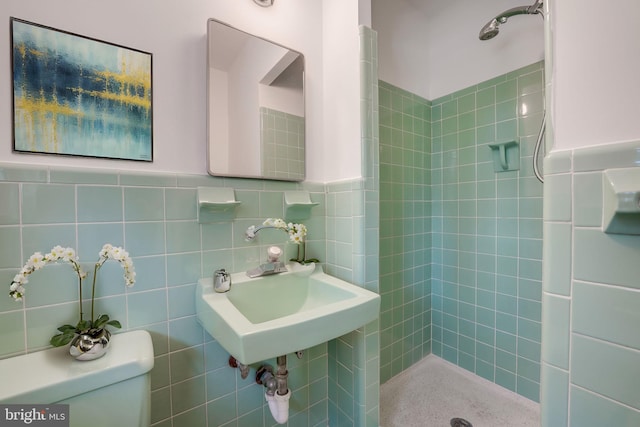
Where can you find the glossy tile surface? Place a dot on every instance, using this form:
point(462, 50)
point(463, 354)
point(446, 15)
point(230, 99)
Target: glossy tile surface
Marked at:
point(10, 207)
point(607, 258)
point(595, 365)
point(404, 228)
point(591, 410)
point(46, 204)
point(616, 321)
point(169, 255)
point(99, 204)
point(556, 330)
point(487, 232)
point(557, 246)
point(599, 293)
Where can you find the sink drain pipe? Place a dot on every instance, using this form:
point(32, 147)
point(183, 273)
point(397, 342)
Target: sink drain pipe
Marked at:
point(278, 393)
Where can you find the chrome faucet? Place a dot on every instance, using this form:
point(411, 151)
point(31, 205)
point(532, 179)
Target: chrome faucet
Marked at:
point(221, 281)
point(251, 232)
point(272, 266)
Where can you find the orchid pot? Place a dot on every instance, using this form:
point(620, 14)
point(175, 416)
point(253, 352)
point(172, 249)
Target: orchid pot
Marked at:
point(90, 344)
point(301, 269)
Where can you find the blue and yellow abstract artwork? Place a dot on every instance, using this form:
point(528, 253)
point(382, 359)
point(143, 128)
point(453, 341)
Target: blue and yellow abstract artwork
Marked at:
point(75, 95)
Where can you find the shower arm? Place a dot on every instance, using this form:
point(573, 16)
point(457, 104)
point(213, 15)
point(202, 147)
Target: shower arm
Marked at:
point(534, 9)
point(491, 28)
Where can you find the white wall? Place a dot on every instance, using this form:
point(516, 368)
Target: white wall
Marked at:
point(220, 127)
point(402, 45)
point(341, 53)
point(596, 64)
point(175, 32)
point(431, 47)
point(286, 96)
point(251, 64)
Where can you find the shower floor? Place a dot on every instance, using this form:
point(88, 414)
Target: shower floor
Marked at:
point(433, 391)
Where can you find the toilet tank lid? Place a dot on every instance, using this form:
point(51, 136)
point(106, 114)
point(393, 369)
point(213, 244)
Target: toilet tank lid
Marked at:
point(52, 375)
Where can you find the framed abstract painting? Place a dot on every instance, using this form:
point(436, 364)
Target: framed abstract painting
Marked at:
point(77, 96)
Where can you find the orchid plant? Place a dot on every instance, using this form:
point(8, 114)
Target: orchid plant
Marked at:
point(38, 261)
point(297, 233)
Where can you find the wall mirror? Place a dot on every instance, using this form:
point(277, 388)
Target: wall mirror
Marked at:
point(256, 125)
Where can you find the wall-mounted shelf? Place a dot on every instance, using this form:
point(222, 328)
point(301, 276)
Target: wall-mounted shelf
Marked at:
point(506, 156)
point(216, 204)
point(621, 201)
point(297, 205)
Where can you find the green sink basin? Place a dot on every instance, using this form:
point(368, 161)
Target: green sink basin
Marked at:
point(270, 316)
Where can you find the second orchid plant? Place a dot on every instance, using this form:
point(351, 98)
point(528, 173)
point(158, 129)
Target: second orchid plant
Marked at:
point(38, 261)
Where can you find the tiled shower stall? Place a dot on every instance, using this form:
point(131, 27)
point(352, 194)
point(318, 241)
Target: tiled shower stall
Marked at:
point(461, 243)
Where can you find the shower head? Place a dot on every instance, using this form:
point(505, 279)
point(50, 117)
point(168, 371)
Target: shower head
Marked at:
point(491, 28)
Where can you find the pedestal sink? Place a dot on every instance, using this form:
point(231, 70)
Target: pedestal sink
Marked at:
point(270, 316)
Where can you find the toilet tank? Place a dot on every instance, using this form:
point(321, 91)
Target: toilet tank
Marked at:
point(113, 390)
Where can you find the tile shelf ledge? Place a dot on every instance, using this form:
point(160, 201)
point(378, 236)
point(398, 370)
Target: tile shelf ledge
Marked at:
point(216, 204)
point(298, 205)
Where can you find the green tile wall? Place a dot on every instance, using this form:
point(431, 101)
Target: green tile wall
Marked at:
point(352, 254)
point(590, 342)
point(487, 231)
point(154, 216)
point(461, 245)
point(282, 144)
point(405, 229)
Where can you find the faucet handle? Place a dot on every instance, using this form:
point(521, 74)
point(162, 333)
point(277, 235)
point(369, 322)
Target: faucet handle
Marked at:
point(273, 254)
point(221, 280)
